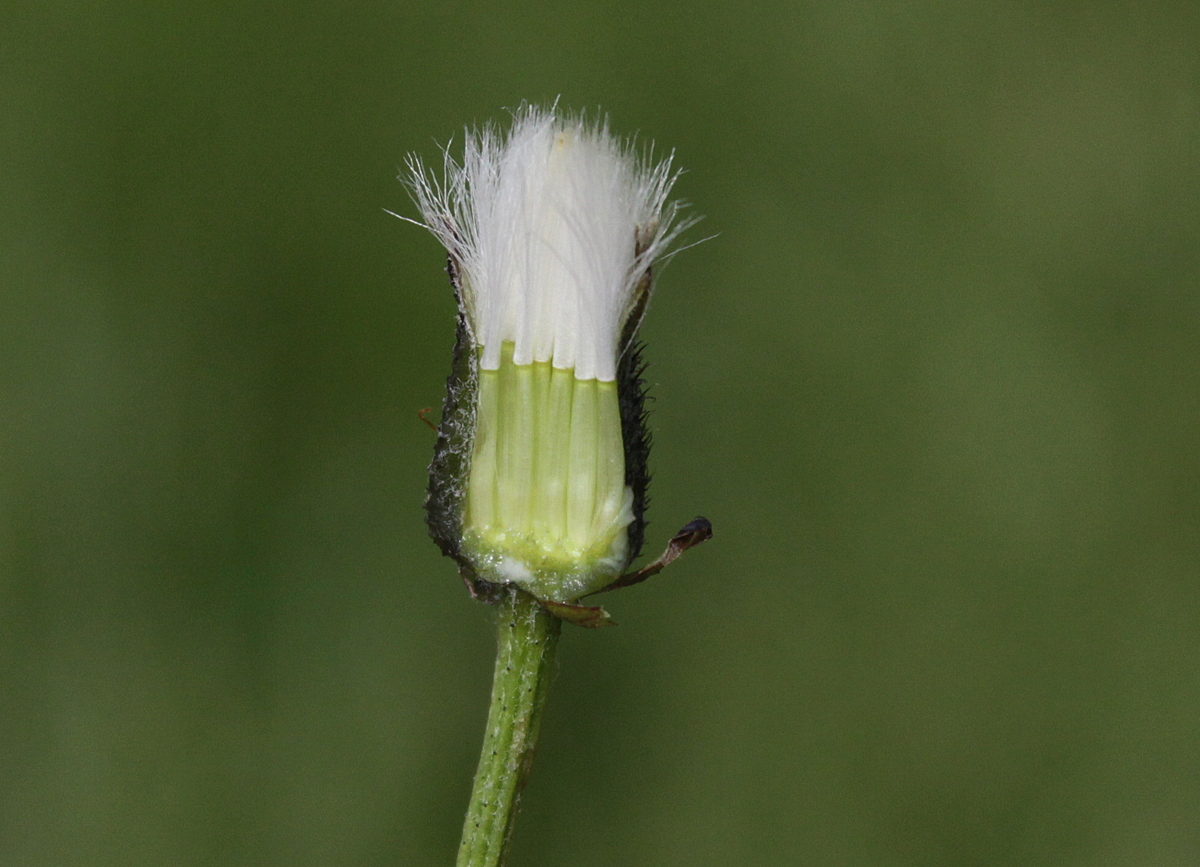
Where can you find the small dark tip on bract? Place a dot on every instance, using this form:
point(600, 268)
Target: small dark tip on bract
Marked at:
point(698, 530)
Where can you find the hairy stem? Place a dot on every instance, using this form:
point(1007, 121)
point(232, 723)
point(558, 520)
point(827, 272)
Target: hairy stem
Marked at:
point(527, 638)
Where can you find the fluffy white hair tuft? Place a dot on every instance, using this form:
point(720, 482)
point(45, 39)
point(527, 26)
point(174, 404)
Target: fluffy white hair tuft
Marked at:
point(553, 227)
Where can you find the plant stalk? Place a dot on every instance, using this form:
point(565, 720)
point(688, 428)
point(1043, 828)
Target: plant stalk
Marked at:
point(527, 639)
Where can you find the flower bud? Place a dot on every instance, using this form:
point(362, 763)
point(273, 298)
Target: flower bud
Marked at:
point(539, 475)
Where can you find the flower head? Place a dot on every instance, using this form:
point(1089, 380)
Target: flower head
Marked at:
point(552, 229)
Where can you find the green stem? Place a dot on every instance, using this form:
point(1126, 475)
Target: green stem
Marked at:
point(528, 636)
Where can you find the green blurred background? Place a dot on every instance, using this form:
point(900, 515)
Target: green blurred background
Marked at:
point(936, 383)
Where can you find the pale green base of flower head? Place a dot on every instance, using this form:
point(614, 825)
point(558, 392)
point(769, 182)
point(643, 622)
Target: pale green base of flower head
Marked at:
point(547, 507)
